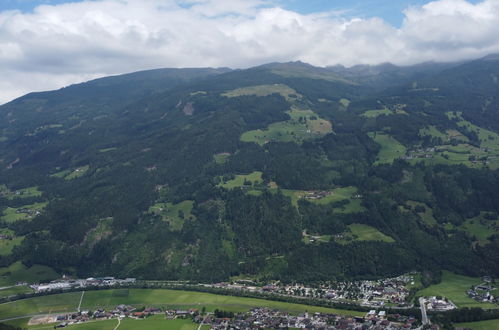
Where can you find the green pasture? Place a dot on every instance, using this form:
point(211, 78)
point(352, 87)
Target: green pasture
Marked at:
point(25, 212)
point(151, 323)
point(360, 232)
point(104, 150)
point(190, 299)
point(79, 172)
point(20, 193)
point(377, 113)
point(433, 132)
point(14, 290)
point(480, 228)
point(174, 214)
point(239, 180)
point(17, 272)
point(221, 158)
point(7, 244)
point(150, 297)
point(264, 90)
point(302, 125)
point(391, 149)
point(455, 287)
point(481, 325)
point(66, 302)
point(427, 215)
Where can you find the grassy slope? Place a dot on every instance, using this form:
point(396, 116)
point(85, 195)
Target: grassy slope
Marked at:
point(482, 325)
point(454, 287)
point(360, 232)
point(54, 303)
point(391, 149)
point(17, 272)
point(11, 214)
point(238, 181)
point(170, 213)
point(15, 290)
point(376, 113)
point(292, 130)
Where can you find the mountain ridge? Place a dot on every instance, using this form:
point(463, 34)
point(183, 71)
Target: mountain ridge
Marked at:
point(282, 171)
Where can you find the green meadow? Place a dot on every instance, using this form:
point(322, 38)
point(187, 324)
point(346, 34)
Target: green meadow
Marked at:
point(481, 325)
point(302, 125)
point(25, 212)
point(17, 272)
point(150, 297)
point(264, 90)
point(174, 214)
point(360, 232)
point(239, 180)
point(454, 287)
point(391, 149)
point(7, 244)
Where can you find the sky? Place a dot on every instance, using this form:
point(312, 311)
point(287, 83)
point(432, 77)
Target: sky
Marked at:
point(48, 44)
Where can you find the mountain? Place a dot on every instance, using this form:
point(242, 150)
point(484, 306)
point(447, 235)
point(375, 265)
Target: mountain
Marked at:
point(283, 171)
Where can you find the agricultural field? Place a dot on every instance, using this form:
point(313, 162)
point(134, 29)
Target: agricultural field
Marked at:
point(426, 216)
point(240, 180)
point(71, 174)
point(455, 287)
point(377, 113)
point(14, 290)
point(190, 299)
point(302, 125)
point(480, 228)
point(264, 90)
point(221, 158)
point(149, 297)
point(9, 241)
point(354, 204)
point(17, 272)
point(174, 214)
point(481, 325)
point(66, 302)
point(391, 149)
point(461, 152)
point(152, 322)
point(104, 150)
point(20, 193)
point(360, 232)
point(25, 212)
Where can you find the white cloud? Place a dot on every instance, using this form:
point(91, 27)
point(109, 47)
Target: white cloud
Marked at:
point(58, 45)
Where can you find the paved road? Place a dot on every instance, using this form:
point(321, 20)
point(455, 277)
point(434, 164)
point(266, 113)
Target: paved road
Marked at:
point(424, 317)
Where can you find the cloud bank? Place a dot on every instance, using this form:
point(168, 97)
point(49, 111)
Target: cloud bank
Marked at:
point(58, 45)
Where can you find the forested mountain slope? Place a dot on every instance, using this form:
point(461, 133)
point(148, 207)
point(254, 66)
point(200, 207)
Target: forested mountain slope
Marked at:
point(280, 171)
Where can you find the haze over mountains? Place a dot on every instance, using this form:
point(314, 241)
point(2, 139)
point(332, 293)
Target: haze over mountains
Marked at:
point(285, 171)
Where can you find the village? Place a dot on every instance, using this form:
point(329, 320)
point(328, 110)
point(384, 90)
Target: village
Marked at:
point(390, 292)
point(265, 318)
point(256, 318)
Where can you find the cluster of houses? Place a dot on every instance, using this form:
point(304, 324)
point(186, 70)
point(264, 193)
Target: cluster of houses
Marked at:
point(30, 213)
point(6, 237)
point(438, 304)
point(265, 318)
point(315, 194)
point(366, 293)
point(68, 284)
point(121, 311)
point(482, 292)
